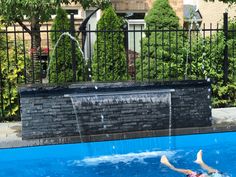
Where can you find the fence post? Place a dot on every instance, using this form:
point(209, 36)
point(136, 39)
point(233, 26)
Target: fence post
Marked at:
point(73, 52)
point(226, 52)
point(1, 91)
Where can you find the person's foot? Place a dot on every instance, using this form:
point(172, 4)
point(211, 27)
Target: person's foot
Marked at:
point(165, 161)
point(199, 157)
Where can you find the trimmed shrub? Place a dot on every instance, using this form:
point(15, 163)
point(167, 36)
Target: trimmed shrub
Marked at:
point(60, 66)
point(161, 15)
point(163, 52)
point(109, 60)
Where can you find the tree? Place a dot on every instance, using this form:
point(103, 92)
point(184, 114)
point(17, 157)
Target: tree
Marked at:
point(161, 15)
point(109, 61)
point(12, 73)
point(37, 12)
point(61, 60)
point(207, 56)
point(163, 50)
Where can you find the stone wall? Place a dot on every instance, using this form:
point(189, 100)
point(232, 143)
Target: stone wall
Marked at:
point(124, 111)
point(113, 108)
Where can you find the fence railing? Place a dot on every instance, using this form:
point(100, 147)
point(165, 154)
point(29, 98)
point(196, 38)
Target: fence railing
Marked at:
point(139, 54)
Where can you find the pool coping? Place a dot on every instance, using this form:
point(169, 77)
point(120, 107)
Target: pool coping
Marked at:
point(115, 136)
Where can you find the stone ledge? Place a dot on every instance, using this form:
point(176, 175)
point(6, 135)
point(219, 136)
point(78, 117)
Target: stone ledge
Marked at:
point(115, 136)
point(36, 90)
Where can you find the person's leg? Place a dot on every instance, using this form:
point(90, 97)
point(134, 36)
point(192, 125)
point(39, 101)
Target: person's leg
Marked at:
point(203, 165)
point(166, 162)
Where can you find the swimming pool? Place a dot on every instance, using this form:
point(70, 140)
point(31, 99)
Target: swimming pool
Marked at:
point(126, 158)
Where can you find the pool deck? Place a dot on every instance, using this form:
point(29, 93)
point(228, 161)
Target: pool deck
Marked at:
point(224, 119)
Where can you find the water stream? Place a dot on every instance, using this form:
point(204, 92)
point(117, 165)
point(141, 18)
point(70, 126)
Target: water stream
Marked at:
point(54, 49)
point(126, 98)
point(194, 21)
point(78, 129)
point(170, 119)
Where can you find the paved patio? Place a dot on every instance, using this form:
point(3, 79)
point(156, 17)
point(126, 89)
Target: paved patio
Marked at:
point(224, 116)
point(10, 133)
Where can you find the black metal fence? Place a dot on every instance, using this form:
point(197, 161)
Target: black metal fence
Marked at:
point(140, 53)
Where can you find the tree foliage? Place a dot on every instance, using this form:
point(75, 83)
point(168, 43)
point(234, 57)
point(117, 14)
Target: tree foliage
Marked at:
point(207, 59)
point(162, 54)
point(37, 12)
point(161, 15)
point(169, 55)
point(61, 58)
point(19, 10)
point(12, 71)
point(109, 61)
point(163, 57)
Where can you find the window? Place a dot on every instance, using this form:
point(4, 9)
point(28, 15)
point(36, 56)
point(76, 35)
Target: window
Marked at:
point(135, 34)
point(136, 23)
point(75, 11)
point(72, 11)
point(131, 15)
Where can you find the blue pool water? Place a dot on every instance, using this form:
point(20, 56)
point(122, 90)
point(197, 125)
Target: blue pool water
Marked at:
point(126, 158)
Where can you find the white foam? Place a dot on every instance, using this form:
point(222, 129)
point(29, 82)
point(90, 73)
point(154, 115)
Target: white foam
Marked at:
point(124, 158)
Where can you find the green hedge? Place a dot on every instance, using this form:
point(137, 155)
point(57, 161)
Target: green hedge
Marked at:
point(109, 60)
point(60, 67)
point(162, 57)
point(12, 74)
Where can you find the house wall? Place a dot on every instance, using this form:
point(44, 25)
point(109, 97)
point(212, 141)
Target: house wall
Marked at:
point(178, 6)
point(212, 12)
point(130, 5)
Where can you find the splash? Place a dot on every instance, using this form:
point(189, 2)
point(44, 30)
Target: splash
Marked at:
point(122, 158)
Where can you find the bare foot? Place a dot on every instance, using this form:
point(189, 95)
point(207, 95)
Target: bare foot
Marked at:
point(165, 161)
point(199, 157)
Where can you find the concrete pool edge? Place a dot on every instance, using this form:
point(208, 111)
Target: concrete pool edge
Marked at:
point(116, 136)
